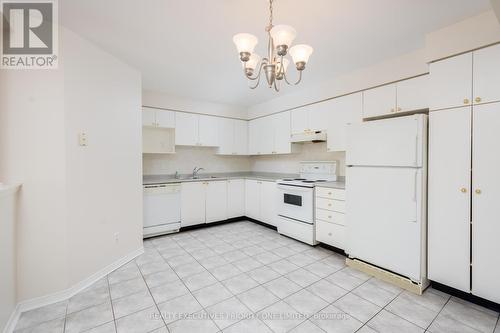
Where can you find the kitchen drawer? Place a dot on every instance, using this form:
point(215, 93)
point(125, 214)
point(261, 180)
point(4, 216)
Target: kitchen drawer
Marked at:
point(330, 193)
point(329, 216)
point(329, 204)
point(331, 234)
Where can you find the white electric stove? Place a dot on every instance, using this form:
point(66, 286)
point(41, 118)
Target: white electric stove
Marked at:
point(295, 204)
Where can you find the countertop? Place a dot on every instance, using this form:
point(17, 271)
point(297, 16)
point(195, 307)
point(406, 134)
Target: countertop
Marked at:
point(263, 176)
point(170, 179)
point(339, 184)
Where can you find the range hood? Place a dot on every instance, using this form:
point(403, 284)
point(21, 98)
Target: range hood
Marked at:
point(317, 136)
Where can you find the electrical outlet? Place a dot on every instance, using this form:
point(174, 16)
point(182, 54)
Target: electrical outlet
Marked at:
point(82, 139)
point(117, 237)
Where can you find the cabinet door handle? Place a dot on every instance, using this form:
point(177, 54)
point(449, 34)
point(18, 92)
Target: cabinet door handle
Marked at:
point(478, 99)
point(478, 191)
point(466, 101)
point(463, 190)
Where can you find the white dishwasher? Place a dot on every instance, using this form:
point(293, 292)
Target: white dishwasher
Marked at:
point(162, 209)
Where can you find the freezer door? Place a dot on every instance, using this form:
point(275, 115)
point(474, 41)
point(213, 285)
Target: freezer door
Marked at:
point(388, 142)
point(384, 218)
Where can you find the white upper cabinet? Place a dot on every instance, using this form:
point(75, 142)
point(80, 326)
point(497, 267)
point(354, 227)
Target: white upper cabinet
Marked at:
point(240, 137)
point(318, 116)
point(216, 201)
point(148, 117)
point(196, 130)
point(208, 131)
point(235, 198)
point(403, 96)
point(299, 120)
point(413, 94)
point(186, 129)
point(158, 118)
point(451, 82)
point(270, 135)
point(226, 136)
point(487, 75)
point(280, 131)
point(341, 112)
point(309, 118)
point(379, 101)
point(233, 137)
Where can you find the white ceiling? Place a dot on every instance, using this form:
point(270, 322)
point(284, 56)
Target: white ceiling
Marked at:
point(185, 48)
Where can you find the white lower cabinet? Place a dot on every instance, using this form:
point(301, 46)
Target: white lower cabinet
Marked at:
point(260, 201)
point(203, 202)
point(331, 226)
point(193, 197)
point(463, 217)
point(235, 198)
point(216, 201)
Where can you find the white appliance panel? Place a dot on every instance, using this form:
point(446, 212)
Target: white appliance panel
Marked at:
point(384, 212)
point(388, 142)
point(296, 202)
point(162, 210)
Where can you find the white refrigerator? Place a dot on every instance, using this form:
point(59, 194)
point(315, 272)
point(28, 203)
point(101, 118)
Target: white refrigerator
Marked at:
point(386, 194)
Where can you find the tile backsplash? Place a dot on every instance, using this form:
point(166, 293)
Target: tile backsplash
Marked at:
point(186, 158)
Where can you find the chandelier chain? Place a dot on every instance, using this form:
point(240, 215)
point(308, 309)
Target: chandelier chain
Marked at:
point(270, 13)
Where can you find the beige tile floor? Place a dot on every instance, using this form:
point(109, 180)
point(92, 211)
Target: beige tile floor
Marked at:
point(243, 277)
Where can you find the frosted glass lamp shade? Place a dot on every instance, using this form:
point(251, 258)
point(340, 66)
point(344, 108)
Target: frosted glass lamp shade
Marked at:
point(283, 35)
point(301, 53)
point(253, 62)
point(245, 43)
point(286, 62)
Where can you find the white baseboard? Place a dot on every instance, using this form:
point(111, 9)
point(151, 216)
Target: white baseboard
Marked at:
point(62, 295)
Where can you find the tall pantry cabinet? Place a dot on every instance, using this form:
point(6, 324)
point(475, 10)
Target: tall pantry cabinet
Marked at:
point(464, 182)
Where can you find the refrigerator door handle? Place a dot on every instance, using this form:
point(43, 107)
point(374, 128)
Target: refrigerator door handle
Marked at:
point(415, 186)
point(416, 150)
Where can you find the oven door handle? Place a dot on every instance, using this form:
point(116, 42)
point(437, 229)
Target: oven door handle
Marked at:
point(292, 189)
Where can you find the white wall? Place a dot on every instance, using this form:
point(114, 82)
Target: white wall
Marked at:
point(472, 33)
point(74, 198)
point(104, 180)
point(395, 69)
point(186, 158)
point(32, 139)
point(8, 274)
point(166, 101)
point(290, 163)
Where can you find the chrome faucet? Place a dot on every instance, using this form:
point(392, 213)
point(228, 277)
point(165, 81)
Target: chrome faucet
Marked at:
point(195, 172)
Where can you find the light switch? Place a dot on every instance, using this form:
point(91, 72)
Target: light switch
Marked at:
point(82, 139)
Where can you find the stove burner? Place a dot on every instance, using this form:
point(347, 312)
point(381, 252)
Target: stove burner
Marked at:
point(308, 181)
point(321, 180)
point(288, 179)
point(299, 179)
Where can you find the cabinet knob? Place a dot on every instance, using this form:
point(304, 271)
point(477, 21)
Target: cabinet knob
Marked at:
point(329, 216)
point(478, 191)
point(478, 99)
point(329, 234)
point(393, 110)
point(466, 101)
point(398, 109)
point(329, 193)
point(329, 205)
point(463, 190)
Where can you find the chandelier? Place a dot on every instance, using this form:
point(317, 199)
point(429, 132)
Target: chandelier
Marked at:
point(280, 38)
